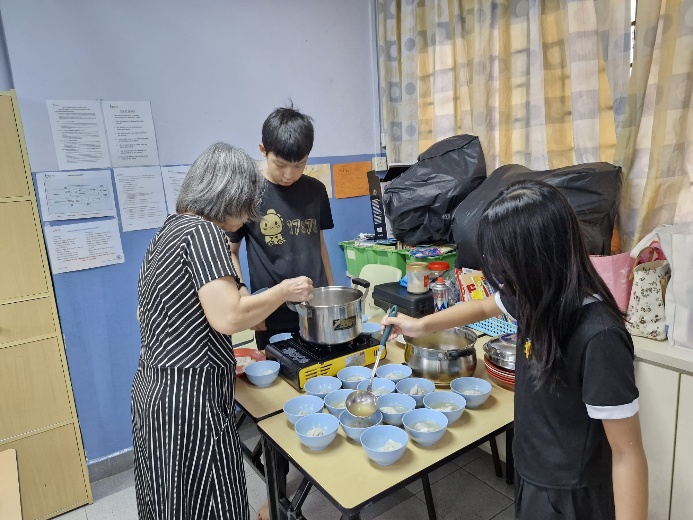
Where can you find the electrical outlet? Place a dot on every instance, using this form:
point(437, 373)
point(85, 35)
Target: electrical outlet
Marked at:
point(379, 164)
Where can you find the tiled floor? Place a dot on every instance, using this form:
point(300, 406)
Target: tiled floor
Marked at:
point(464, 488)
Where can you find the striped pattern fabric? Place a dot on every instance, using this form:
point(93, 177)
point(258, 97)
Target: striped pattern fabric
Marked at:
point(188, 462)
point(537, 81)
point(655, 142)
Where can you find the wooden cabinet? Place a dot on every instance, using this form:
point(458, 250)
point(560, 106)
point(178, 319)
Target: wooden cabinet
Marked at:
point(50, 472)
point(659, 388)
point(682, 489)
point(22, 263)
point(29, 370)
point(37, 410)
point(14, 181)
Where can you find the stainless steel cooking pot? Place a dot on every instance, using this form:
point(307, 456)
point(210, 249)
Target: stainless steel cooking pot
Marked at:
point(442, 356)
point(501, 351)
point(333, 316)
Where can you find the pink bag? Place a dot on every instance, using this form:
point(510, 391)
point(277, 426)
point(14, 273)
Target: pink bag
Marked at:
point(615, 271)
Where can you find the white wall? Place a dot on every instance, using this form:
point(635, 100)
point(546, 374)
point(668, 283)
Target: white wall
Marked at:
point(213, 69)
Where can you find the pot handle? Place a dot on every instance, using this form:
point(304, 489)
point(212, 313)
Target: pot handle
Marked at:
point(298, 307)
point(363, 283)
point(458, 353)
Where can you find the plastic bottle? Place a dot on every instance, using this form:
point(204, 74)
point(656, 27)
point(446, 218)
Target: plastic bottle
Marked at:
point(440, 294)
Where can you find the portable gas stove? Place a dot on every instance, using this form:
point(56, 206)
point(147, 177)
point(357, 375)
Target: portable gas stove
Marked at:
point(300, 360)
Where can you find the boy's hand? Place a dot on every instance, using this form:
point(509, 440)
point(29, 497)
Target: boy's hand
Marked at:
point(298, 289)
point(402, 325)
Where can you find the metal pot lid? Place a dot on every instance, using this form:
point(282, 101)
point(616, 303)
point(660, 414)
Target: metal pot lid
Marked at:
point(457, 338)
point(502, 350)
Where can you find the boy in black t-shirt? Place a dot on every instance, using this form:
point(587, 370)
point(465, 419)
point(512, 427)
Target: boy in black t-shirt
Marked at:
point(289, 237)
point(288, 241)
point(577, 446)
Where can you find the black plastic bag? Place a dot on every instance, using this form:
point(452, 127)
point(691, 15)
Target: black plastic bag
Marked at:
point(420, 202)
point(593, 190)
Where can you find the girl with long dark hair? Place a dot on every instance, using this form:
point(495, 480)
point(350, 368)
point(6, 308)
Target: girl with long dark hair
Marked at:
point(577, 447)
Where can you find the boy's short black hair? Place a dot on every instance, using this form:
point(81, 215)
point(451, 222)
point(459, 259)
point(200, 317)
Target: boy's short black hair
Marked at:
point(288, 134)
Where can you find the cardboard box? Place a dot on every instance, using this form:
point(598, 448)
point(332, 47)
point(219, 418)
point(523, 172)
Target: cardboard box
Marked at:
point(472, 284)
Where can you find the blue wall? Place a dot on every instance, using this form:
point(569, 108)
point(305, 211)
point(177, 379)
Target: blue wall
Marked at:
point(97, 313)
point(212, 71)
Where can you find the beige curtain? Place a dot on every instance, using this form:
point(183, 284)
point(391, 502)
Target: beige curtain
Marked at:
point(655, 143)
point(541, 82)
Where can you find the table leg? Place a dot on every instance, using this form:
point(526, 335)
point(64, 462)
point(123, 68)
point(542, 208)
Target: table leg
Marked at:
point(256, 457)
point(298, 499)
point(496, 457)
point(240, 417)
point(509, 458)
point(271, 480)
point(429, 497)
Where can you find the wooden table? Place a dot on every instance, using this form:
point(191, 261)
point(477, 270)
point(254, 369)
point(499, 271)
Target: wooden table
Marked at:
point(258, 404)
point(351, 481)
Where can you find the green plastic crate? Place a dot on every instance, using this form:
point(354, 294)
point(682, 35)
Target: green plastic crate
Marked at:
point(358, 256)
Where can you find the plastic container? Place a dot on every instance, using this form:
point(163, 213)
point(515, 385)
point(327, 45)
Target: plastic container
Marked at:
point(417, 277)
point(441, 294)
point(358, 256)
point(438, 269)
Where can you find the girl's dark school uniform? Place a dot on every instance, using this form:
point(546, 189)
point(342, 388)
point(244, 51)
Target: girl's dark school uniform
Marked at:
point(562, 454)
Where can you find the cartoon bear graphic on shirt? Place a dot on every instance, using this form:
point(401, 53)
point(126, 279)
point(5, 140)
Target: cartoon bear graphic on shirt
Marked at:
point(271, 226)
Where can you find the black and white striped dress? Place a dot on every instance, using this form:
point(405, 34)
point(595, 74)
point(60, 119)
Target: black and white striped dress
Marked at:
point(188, 461)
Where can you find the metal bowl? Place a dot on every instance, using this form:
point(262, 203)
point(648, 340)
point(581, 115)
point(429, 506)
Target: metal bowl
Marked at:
point(442, 356)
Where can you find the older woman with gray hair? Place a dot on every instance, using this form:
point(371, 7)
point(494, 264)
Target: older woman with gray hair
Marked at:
point(188, 460)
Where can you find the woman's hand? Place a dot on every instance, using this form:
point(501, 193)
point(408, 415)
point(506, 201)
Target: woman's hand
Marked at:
point(298, 289)
point(402, 325)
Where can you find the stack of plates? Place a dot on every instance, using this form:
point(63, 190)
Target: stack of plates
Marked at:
point(500, 376)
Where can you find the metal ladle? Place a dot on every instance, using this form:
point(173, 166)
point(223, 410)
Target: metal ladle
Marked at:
point(364, 403)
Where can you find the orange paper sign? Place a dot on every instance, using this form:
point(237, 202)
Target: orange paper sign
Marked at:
point(350, 179)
